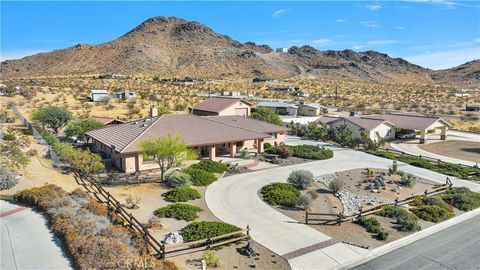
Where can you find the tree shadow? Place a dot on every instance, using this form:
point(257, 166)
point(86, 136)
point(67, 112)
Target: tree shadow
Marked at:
point(471, 150)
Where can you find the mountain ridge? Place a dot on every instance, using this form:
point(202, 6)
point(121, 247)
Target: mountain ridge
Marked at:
point(174, 47)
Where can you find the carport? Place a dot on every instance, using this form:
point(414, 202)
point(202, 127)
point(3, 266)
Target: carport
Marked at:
point(418, 122)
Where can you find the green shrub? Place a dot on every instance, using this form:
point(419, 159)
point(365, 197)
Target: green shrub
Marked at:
point(383, 235)
point(210, 259)
point(284, 151)
point(267, 146)
point(311, 152)
point(408, 180)
point(432, 200)
point(433, 213)
point(271, 151)
point(177, 179)
point(180, 211)
point(200, 177)
point(462, 198)
point(301, 179)
point(9, 136)
point(181, 194)
point(372, 225)
point(210, 166)
point(406, 221)
point(199, 230)
point(281, 194)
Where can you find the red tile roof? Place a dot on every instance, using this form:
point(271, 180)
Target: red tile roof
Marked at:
point(217, 104)
point(249, 123)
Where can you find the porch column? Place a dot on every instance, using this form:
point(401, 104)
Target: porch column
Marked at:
point(260, 145)
point(423, 136)
point(211, 152)
point(443, 134)
point(233, 149)
point(137, 163)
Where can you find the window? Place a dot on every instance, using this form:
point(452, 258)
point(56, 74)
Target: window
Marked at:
point(148, 158)
point(274, 135)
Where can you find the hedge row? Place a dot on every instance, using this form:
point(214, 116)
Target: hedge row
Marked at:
point(180, 211)
point(281, 194)
point(210, 166)
point(181, 194)
point(372, 225)
point(199, 177)
point(199, 230)
point(311, 152)
point(406, 221)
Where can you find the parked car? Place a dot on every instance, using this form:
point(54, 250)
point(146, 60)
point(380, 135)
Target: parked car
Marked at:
point(406, 134)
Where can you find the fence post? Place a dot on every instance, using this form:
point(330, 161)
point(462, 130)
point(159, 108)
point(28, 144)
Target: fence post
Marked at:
point(425, 193)
point(248, 230)
point(306, 217)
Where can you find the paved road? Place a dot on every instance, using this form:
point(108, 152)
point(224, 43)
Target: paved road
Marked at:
point(26, 242)
point(235, 200)
point(411, 146)
point(457, 247)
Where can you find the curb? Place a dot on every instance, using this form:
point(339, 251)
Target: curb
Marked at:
point(375, 253)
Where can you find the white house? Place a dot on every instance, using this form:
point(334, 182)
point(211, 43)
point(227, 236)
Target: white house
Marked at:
point(282, 50)
point(126, 94)
point(99, 95)
point(311, 109)
point(282, 108)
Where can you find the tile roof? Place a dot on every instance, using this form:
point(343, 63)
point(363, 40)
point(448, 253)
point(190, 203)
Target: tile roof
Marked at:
point(314, 105)
point(107, 120)
point(248, 123)
point(277, 104)
point(99, 91)
point(366, 123)
point(217, 104)
point(327, 119)
point(412, 121)
point(195, 130)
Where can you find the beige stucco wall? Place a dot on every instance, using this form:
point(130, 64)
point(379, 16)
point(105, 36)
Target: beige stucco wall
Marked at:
point(236, 108)
point(357, 131)
point(384, 131)
point(308, 111)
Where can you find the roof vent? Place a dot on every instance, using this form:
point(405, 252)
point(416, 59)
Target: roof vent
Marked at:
point(144, 125)
point(135, 122)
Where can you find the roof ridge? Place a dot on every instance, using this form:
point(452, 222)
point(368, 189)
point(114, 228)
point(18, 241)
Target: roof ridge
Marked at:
point(223, 108)
point(143, 132)
point(210, 119)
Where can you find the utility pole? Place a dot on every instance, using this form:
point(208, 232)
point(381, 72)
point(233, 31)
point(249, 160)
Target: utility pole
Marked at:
point(336, 94)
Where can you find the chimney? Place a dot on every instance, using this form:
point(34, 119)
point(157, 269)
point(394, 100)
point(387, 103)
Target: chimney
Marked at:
point(353, 113)
point(153, 111)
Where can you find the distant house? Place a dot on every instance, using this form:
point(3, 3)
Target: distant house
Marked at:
point(126, 95)
point(282, 108)
point(472, 108)
point(108, 121)
point(281, 50)
point(112, 76)
point(223, 106)
point(311, 109)
point(300, 93)
point(261, 79)
point(281, 88)
point(231, 94)
point(99, 95)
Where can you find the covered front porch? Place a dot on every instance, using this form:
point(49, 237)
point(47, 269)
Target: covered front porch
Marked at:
point(229, 149)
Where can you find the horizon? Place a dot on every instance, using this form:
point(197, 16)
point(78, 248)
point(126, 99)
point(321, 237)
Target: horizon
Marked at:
point(415, 30)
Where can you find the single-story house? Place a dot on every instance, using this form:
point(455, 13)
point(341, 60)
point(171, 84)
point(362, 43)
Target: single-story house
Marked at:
point(387, 125)
point(282, 108)
point(126, 94)
point(472, 108)
point(210, 136)
point(300, 93)
point(223, 106)
point(107, 121)
point(99, 95)
point(281, 88)
point(311, 109)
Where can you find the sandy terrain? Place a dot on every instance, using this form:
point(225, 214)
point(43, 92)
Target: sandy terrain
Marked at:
point(456, 149)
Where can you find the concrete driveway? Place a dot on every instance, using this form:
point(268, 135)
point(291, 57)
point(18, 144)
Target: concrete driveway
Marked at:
point(26, 241)
point(235, 200)
point(411, 146)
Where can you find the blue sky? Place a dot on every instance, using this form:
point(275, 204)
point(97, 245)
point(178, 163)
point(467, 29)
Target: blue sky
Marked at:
point(432, 33)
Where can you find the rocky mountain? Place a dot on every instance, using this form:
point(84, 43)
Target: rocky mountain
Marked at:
point(173, 47)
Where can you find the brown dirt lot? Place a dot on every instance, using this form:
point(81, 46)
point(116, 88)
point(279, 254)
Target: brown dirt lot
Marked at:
point(456, 149)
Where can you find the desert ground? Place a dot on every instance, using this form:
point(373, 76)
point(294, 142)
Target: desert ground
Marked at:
point(456, 149)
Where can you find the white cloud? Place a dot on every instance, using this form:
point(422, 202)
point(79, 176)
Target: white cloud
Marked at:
point(11, 55)
point(445, 59)
point(321, 42)
point(371, 24)
point(279, 13)
point(340, 20)
point(374, 7)
point(446, 3)
point(399, 27)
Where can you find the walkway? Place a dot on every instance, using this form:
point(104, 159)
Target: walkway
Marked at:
point(26, 242)
point(235, 200)
point(411, 146)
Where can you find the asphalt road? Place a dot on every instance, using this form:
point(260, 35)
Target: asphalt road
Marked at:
point(457, 247)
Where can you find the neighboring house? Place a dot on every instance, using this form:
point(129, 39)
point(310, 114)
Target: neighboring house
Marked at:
point(261, 79)
point(209, 136)
point(99, 95)
point(311, 109)
point(281, 108)
point(223, 106)
point(126, 94)
point(387, 125)
point(300, 93)
point(472, 108)
point(281, 88)
point(281, 50)
point(108, 121)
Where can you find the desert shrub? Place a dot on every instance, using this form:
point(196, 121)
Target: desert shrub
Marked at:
point(177, 179)
point(210, 166)
point(301, 179)
point(32, 152)
point(281, 194)
point(181, 194)
point(39, 196)
point(199, 230)
point(313, 193)
point(180, 211)
point(7, 179)
point(305, 200)
point(433, 213)
point(462, 198)
point(372, 225)
point(200, 177)
point(335, 185)
point(271, 150)
point(432, 200)
point(284, 151)
point(394, 168)
point(210, 259)
point(9, 136)
point(133, 201)
point(408, 180)
point(244, 154)
point(311, 152)
point(406, 221)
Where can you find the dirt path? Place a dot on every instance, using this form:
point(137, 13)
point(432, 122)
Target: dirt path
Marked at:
point(456, 149)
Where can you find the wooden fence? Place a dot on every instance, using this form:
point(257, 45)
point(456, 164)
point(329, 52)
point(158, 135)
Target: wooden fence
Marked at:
point(158, 248)
point(339, 218)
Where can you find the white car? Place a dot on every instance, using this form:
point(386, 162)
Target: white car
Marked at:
point(407, 134)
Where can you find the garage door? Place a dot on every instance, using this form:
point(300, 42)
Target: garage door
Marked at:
point(241, 112)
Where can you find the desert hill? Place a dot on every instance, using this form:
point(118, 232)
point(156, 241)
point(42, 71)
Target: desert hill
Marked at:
point(173, 47)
